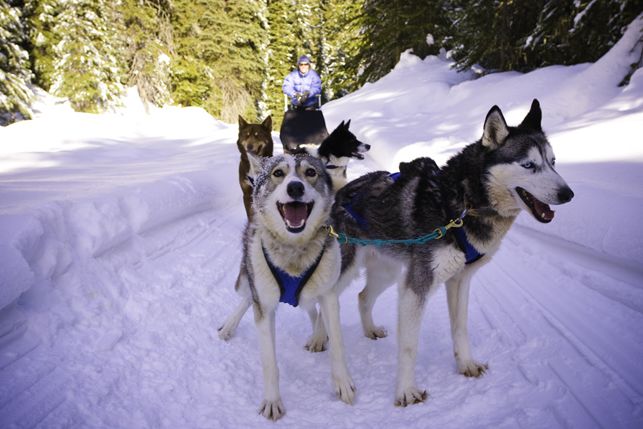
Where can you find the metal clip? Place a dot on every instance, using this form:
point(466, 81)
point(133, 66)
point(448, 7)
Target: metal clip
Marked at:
point(331, 232)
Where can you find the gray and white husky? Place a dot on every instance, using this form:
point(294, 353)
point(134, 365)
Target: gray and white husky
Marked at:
point(335, 152)
point(288, 256)
point(508, 170)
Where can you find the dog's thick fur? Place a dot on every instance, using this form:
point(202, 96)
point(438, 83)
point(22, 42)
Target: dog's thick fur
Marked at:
point(255, 139)
point(292, 200)
point(508, 170)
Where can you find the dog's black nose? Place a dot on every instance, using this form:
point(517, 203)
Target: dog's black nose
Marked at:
point(295, 189)
point(565, 195)
point(367, 146)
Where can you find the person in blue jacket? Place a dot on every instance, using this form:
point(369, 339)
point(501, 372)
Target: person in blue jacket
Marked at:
point(302, 86)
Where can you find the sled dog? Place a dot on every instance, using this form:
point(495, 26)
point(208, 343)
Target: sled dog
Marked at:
point(289, 257)
point(257, 140)
point(335, 152)
point(485, 186)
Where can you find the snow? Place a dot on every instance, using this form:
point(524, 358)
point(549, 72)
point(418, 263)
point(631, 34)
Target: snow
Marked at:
point(120, 244)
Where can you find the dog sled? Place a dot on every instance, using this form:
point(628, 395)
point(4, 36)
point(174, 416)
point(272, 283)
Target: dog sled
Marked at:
point(302, 127)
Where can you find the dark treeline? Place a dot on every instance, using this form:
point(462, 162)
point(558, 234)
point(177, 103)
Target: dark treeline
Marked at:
point(230, 56)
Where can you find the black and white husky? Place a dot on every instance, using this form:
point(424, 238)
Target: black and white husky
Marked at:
point(336, 151)
point(289, 257)
point(508, 170)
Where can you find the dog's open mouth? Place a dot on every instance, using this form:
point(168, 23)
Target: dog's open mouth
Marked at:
point(360, 150)
point(539, 210)
point(295, 214)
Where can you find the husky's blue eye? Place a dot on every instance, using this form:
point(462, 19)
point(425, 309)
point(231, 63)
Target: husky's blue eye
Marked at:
point(278, 173)
point(311, 172)
point(528, 165)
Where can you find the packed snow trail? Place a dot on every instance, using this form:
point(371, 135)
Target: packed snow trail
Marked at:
point(141, 313)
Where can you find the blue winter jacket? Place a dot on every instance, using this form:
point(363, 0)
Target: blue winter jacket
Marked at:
point(296, 82)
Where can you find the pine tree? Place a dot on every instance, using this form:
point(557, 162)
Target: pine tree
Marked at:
point(570, 32)
point(493, 34)
point(15, 75)
point(343, 24)
point(149, 48)
point(42, 16)
point(220, 64)
point(282, 53)
point(392, 27)
point(88, 65)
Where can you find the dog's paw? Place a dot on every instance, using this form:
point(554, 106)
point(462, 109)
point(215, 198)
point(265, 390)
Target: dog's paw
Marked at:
point(225, 333)
point(316, 345)
point(272, 410)
point(472, 368)
point(345, 389)
point(375, 332)
point(410, 396)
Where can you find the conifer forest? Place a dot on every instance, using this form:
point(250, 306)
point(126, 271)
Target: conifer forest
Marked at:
point(230, 57)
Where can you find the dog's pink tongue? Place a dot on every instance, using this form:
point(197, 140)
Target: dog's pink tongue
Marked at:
point(295, 214)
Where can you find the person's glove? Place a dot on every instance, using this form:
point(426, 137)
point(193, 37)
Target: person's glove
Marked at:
point(301, 98)
point(295, 100)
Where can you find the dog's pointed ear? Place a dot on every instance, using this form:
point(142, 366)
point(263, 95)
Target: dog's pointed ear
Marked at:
point(341, 125)
point(495, 129)
point(347, 124)
point(242, 122)
point(255, 164)
point(533, 119)
point(267, 123)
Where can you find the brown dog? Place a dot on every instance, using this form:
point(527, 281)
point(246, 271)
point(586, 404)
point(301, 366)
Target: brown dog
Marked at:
point(255, 139)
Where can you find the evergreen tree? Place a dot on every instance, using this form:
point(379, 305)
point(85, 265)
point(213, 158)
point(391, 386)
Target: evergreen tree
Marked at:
point(392, 27)
point(282, 51)
point(42, 16)
point(343, 42)
point(219, 61)
point(149, 48)
point(571, 32)
point(88, 64)
point(15, 75)
point(493, 34)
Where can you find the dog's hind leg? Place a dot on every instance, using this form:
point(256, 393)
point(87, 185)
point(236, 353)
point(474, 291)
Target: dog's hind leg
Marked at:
point(380, 274)
point(458, 300)
point(317, 341)
point(232, 322)
point(344, 386)
point(271, 407)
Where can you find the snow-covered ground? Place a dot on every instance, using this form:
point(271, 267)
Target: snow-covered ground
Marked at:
point(120, 244)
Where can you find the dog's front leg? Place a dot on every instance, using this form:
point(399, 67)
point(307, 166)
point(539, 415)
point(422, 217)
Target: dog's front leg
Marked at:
point(410, 311)
point(271, 407)
point(227, 330)
point(458, 300)
point(344, 386)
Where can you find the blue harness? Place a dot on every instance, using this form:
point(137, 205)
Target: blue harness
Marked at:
point(291, 286)
point(470, 252)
